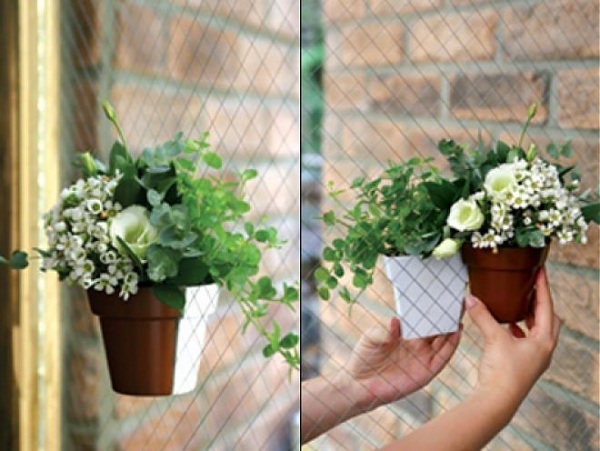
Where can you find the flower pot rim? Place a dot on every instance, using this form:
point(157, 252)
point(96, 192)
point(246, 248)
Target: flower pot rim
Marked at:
point(506, 259)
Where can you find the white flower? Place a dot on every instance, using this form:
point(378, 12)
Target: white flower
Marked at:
point(446, 248)
point(500, 181)
point(133, 226)
point(465, 215)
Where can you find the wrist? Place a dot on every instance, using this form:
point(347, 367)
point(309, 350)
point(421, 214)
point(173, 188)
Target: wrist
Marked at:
point(361, 397)
point(496, 401)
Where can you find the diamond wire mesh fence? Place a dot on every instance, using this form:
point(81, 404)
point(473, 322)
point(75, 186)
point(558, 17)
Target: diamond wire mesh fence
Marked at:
point(229, 68)
point(386, 81)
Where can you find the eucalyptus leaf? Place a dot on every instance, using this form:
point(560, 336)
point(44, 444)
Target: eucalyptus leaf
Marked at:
point(170, 295)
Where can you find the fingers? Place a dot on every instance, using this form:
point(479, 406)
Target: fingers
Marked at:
point(544, 314)
point(482, 318)
point(447, 347)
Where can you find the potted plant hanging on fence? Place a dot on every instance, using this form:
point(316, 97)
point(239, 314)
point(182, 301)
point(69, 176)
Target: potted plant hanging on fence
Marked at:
point(401, 216)
point(152, 239)
point(525, 201)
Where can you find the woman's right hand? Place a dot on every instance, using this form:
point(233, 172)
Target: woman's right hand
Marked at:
point(514, 359)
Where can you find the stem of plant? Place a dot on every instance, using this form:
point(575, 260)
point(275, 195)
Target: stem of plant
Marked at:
point(530, 114)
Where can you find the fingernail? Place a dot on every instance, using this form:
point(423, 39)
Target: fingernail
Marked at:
point(470, 301)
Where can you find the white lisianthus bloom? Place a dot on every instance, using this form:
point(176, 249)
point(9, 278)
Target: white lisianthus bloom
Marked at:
point(500, 181)
point(465, 215)
point(446, 248)
point(133, 226)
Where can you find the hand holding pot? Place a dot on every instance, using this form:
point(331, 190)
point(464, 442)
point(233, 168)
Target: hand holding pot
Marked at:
point(513, 359)
point(386, 367)
point(383, 368)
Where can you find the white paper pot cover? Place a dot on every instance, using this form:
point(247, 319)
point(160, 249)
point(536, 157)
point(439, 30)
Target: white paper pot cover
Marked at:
point(200, 303)
point(429, 293)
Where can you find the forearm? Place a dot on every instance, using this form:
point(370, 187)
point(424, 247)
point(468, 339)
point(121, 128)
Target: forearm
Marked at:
point(327, 402)
point(467, 427)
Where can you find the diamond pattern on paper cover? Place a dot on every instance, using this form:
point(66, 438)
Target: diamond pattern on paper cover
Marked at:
point(428, 294)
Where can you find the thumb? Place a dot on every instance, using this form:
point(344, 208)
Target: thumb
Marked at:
point(481, 316)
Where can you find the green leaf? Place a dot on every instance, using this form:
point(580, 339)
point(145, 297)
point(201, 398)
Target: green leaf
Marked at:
point(18, 260)
point(289, 341)
point(566, 150)
point(162, 263)
point(268, 351)
point(170, 295)
point(442, 194)
point(591, 212)
point(329, 218)
point(120, 159)
point(321, 275)
point(249, 174)
point(129, 192)
point(212, 160)
point(323, 293)
point(191, 272)
point(553, 150)
point(154, 197)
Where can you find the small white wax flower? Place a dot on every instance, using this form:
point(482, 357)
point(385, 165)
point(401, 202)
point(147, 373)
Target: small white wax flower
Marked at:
point(500, 181)
point(446, 248)
point(133, 226)
point(465, 215)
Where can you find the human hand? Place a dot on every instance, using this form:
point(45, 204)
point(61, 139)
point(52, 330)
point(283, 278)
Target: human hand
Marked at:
point(387, 367)
point(512, 359)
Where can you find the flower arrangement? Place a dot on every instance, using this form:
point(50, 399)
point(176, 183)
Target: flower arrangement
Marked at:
point(401, 212)
point(512, 197)
point(154, 221)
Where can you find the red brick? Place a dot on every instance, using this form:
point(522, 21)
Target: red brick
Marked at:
point(343, 10)
point(199, 53)
point(552, 30)
point(276, 191)
point(239, 396)
point(454, 37)
point(172, 429)
point(575, 367)
point(83, 320)
point(251, 13)
point(387, 7)
point(86, 31)
point(373, 44)
point(578, 95)
point(576, 300)
point(283, 17)
point(284, 132)
point(499, 97)
point(377, 140)
point(85, 374)
point(346, 91)
point(553, 421)
point(151, 117)
point(236, 127)
point(266, 67)
point(398, 94)
point(140, 42)
point(84, 128)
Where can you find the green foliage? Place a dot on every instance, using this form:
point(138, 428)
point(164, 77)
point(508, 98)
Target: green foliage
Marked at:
point(196, 210)
point(402, 212)
point(17, 260)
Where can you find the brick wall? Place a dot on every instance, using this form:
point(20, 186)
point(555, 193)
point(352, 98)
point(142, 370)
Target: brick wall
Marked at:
point(223, 66)
point(399, 76)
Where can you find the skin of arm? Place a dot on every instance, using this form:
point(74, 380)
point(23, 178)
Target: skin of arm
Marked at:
point(512, 361)
point(383, 368)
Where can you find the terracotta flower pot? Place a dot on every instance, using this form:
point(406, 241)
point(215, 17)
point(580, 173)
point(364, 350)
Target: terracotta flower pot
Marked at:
point(151, 349)
point(429, 293)
point(504, 281)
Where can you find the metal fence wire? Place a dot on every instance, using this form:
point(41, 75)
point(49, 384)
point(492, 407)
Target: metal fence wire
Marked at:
point(229, 68)
point(386, 81)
